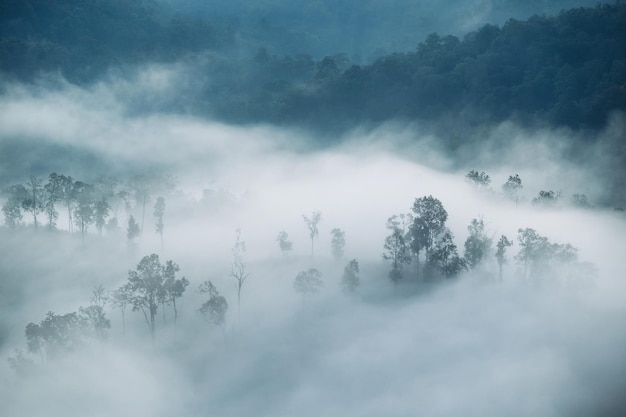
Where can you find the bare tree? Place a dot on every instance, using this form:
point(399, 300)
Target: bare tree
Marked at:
point(238, 270)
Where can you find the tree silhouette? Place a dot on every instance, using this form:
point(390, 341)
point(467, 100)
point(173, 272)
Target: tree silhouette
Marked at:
point(311, 223)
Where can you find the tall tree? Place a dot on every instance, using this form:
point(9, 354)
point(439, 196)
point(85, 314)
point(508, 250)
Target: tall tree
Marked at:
point(238, 270)
point(148, 289)
point(84, 211)
point(431, 217)
point(101, 210)
point(34, 198)
point(53, 192)
point(311, 223)
point(338, 243)
point(477, 244)
point(396, 249)
point(121, 299)
point(308, 282)
point(174, 288)
point(159, 212)
point(501, 258)
point(350, 279)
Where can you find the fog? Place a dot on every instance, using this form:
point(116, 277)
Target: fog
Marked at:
point(470, 345)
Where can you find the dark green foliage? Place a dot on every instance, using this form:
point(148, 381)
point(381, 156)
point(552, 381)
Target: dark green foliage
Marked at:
point(444, 256)
point(501, 258)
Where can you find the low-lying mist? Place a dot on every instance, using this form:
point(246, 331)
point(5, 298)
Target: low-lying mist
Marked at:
point(472, 344)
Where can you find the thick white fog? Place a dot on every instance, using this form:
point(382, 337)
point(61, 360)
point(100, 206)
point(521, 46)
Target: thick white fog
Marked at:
point(466, 346)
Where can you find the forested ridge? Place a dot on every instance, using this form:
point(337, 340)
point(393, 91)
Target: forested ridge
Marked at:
point(565, 70)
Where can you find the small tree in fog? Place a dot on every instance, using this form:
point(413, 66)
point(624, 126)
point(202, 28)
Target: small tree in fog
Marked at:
point(238, 270)
point(396, 249)
point(580, 201)
point(53, 193)
point(480, 180)
point(174, 288)
point(132, 231)
point(284, 243)
point(308, 282)
point(512, 187)
point(311, 224)
point(501, 258)
point(214, 309)
point(547, 198)
point(122, 298)
point(159, 212)
point(350, 279)
point(477, 244)
point(338, 243)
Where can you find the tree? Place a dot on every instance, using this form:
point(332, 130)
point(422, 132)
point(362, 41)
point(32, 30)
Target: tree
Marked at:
point(396, 249)
point(12, 207)
point(501, 258)
point(159, 212)
point(312, 223)
point(534, 251)
point(512, 187)
point(84, 211)
point(34, 198)
point(95, 317)
point(174, 288)
point(148, 289)
point(337, 243)
point(55, 334)
point(480, 180)
point(133, 230)
point(122, 298)
point(284, 243)
point(477, 244)
point(430, 218)
point(238, 270)
point(53, 193)
point(101, 212)
point(350, 279)
point(214, 309)
point(445, 257)
point(547, 198)
point(68, 195)
point(308, 282)
point(580, 201)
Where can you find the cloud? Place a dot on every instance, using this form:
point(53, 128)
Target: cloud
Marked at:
point(471, 346)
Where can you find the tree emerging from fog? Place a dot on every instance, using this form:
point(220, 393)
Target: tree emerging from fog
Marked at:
point(284, 243)
point(311, 224)
point(308, 282)
point(350, 279)
point(148, 286)
point(501, 258)
point(477, 245)
point(239, 269)
point(396, 249)
point(214, 309)
point(338, 243)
